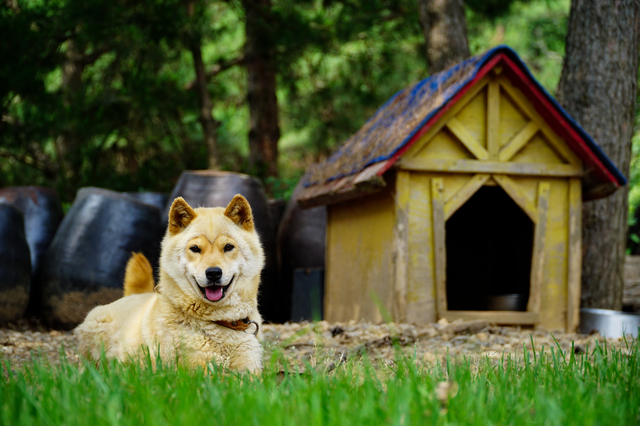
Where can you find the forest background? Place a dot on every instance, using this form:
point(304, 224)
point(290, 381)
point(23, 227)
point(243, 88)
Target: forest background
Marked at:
point(126, 94)
point(105, 93)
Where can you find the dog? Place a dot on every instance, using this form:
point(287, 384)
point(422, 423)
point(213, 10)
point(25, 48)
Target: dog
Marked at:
point(205, 305)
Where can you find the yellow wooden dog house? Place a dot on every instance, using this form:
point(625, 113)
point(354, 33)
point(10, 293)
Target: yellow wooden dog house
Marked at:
point(463, 189)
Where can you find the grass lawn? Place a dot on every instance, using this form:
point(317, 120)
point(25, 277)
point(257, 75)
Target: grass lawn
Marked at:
point(600, 386)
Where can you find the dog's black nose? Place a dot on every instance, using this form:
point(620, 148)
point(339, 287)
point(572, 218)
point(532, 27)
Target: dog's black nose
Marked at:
point(213, 274)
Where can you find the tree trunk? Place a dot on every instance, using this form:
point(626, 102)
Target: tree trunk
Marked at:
point(261, 88)
point(68, 142)
point(209, 125)
point(445, 33)
point(598, 89)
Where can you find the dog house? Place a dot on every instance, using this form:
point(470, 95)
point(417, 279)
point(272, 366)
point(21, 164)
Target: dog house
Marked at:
point(461, 198)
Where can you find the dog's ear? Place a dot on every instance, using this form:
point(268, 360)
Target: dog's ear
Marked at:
point(180, 216)
point(239, 212)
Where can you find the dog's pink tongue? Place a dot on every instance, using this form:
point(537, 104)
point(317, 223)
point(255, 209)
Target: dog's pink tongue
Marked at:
point(213, 293)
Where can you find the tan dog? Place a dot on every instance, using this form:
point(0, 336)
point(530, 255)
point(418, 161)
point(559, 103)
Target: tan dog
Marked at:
point(210, 266)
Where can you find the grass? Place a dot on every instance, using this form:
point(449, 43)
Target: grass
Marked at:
point(600, 386)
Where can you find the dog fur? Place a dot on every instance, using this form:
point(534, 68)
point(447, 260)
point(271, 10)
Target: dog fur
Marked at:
point(138, 276)
point(207, 253)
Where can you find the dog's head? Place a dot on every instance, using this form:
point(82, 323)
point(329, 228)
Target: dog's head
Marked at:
point(213, 254)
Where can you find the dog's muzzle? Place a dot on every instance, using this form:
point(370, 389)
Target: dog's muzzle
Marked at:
point(214, 291)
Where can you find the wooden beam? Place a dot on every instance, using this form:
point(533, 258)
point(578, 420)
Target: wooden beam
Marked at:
point(437, 203)
point(511, 188)
point(493, 119)
point(458, 199)
point(370, 173)
point(467, 139)
point(366, 182)
point(441, 122)
point(537, 262)
point(505, 168)
point(525, 105)
point(403, 182)
point(518, 141)
point(494, 317)
point(559, 146)
point(574, 275)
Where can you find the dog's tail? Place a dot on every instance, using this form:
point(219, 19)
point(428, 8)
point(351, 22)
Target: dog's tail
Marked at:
point(138, 277)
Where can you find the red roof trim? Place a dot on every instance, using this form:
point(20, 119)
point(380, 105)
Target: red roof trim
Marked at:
point(555, 120)
point(541, 104)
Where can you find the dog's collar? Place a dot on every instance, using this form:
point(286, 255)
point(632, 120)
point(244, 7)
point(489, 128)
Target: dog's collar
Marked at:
point(240, 325)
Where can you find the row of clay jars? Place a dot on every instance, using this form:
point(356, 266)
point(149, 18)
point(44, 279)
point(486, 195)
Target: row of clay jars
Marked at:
point(28, 222)
point(85, 255)
point(84, 264)
point(86, 260)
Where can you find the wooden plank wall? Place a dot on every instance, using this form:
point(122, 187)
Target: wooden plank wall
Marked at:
point(359, 258)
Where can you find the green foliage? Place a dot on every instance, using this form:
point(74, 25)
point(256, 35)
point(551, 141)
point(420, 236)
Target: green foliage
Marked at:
point(535, 29)
point(601, 386)
point(634, 174)
point(86, 99)
point(370, 50)
point(281, 187)
point(126, 119)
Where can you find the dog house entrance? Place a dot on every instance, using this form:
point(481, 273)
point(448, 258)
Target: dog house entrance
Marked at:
point(489, 244)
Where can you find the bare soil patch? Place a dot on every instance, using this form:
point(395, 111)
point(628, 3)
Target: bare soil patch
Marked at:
point(328, 343)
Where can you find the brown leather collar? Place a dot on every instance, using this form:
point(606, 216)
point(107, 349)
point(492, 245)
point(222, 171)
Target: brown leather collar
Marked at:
point(240, 325)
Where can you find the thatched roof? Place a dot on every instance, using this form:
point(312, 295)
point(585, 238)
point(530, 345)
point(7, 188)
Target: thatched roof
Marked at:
point(365, 156)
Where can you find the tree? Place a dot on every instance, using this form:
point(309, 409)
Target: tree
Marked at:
point(205, 116)
point(445, 33)
point(260, 56)
point(598, 89)
point(85, 99)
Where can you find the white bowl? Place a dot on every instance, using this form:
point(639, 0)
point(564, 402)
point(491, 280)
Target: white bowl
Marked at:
point(609, 323)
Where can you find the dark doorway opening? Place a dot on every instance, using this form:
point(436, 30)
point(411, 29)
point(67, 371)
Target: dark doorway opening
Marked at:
point(489, 244)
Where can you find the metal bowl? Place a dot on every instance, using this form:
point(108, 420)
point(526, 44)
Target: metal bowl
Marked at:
point(506, 302)
point(609, 323)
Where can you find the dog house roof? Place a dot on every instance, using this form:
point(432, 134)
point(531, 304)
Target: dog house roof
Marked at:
point(357, 166)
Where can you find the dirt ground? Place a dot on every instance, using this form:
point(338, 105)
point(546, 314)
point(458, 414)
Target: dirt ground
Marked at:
point(324, 343)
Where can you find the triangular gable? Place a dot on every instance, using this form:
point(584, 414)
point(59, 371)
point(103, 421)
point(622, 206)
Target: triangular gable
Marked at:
point(493, 122)
point(359, 164)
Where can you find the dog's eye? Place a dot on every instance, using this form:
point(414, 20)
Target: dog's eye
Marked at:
point(195, 249)
point(228, 247)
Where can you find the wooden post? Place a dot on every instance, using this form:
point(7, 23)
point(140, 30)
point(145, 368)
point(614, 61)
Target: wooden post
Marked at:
point(537, 262)
point(437, 202)
point(574, 275)
point(403, 182)
point(493, 119)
